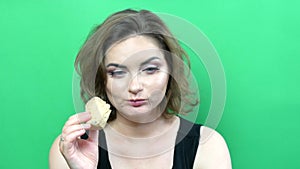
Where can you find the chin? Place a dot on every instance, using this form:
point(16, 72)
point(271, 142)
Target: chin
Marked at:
point(140, 115)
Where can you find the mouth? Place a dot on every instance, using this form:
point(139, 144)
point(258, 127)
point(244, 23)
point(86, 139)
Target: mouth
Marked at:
point(137, 102)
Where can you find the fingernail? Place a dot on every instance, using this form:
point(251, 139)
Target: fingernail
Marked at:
point(86, 126)
point(85, 115)
point(88, 114)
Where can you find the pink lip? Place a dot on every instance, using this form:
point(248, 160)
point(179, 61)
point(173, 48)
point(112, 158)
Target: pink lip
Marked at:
point(137, 102)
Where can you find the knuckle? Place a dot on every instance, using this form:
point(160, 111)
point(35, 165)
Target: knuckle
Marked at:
point(71, 118)
point(64, 130)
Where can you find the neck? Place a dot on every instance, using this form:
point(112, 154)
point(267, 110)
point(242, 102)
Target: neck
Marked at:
point(134, 140)
point(141, 130)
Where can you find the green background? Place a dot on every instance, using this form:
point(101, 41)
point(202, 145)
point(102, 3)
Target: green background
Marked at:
point(258, 43)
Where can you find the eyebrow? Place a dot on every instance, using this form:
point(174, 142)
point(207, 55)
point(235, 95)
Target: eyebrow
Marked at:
point(124, 67)
point(116, 65)
point(149, 60)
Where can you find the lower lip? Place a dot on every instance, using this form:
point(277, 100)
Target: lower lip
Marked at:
point(137, 103)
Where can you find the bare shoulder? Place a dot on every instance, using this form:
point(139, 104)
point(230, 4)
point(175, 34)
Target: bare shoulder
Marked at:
point(212, 151)
point(56, 159)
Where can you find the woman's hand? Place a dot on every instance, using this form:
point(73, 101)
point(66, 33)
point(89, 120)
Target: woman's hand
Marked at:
point(79, 153)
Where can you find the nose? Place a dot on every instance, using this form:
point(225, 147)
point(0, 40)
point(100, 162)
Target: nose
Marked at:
point(135, 85)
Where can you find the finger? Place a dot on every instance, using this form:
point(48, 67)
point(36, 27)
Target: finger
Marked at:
point(68, 144)
point(72, 137)
point(78, 118)
point(70, 129)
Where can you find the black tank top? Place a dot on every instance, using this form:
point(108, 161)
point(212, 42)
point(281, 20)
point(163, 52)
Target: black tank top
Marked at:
point(187, 141)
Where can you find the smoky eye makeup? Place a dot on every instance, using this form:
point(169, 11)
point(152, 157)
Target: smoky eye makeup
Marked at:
point(150, 68)
point(116, 73)
point(116, 70)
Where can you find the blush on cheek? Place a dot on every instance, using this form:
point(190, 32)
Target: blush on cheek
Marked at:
point(159, 87)
point(161, 81)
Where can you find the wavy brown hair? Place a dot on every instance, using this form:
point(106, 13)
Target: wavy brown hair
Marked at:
point(90, 66)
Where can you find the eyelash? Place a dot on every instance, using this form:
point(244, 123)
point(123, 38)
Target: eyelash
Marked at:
point(117, 73)
point(121, 73)
point(151, 69)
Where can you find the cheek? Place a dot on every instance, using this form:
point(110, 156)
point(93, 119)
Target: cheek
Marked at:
point(112, 92)
point(162, 80)
point(116, 85)
point(159, 83)
point(157, 91)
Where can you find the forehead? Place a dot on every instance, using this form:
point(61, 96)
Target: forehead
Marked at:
point(133, 48)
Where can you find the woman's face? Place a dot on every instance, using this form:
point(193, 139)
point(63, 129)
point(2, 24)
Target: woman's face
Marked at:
point(137, 79)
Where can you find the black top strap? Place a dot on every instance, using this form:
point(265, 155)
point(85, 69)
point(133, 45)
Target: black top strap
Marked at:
point(187, 141)
point(103, 162)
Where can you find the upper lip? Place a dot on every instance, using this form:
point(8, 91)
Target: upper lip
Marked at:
point(136, 100)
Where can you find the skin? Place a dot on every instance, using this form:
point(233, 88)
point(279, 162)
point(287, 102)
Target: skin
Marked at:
point(136, 84)
point(137, 66)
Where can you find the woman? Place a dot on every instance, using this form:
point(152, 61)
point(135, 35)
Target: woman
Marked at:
point(133, 62)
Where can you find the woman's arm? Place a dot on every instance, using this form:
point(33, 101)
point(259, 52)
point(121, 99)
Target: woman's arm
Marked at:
point(69, 151)
point(56, 159)
point(212, 151)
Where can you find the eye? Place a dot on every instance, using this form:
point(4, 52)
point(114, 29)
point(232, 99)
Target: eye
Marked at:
point(151, 69)
point(117, 73)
